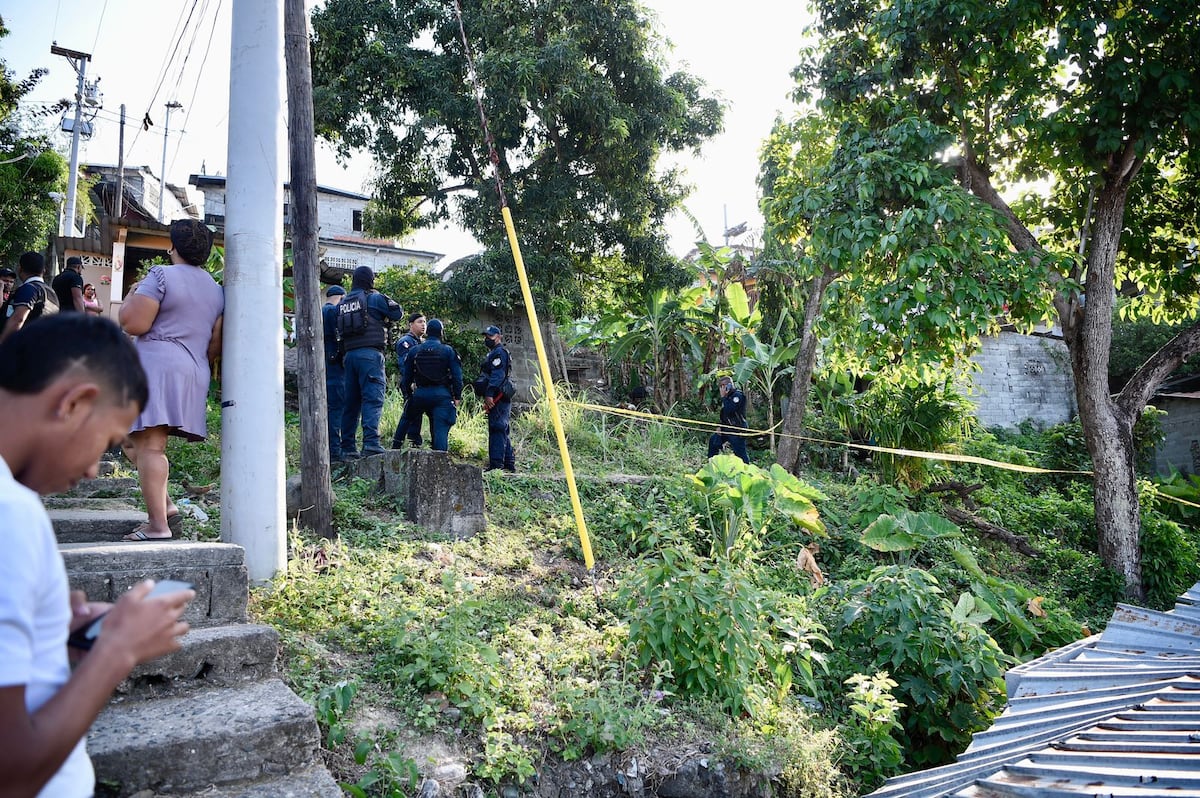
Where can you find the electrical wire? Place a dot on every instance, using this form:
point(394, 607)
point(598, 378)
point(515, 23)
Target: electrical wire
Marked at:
point(99, 25)
point(196, 88)
point(181, 26)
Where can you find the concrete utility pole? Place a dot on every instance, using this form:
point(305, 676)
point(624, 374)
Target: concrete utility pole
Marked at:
point(252, 475)
point(162, 178)
point(316, 491)
point(79, 62)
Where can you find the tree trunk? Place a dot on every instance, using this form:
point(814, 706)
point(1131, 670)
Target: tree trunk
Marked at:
point(788, 454)
point(1087, 330)
point(1107, 427)
point(316, 491)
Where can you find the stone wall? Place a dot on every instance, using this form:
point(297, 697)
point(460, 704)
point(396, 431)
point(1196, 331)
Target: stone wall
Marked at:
point(1180, 448)
point(1023, 378)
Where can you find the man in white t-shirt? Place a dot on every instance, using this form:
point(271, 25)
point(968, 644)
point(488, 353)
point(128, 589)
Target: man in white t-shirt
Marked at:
point(71, 387)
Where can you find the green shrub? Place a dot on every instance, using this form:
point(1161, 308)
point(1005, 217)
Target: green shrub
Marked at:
point(706, 619)
point(1169, 560)
point(1067, 516)
point(928, 417)
point(948, 670)
point(871, 751)
point(1066, 448)
point(1185, 487)
point(1080, 582)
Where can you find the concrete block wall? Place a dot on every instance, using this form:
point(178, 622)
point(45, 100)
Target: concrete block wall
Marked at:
point(518, 338)
point(1023, 378)
point(1181, 426)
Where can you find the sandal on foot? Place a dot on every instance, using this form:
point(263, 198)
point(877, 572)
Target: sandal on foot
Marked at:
point(139, 534)
point(175, 523)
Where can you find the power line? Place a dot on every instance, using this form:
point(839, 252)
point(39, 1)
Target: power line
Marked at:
point(99, 25)
point(177, 35)
point(195, 88)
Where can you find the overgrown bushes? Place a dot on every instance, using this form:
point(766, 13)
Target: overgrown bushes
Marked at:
point(700, 626)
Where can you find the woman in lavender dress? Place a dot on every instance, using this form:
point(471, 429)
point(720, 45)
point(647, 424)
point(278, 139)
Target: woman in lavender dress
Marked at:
point(176, 313)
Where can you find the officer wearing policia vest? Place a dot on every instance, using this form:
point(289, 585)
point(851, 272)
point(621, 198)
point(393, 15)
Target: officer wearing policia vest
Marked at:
point(733, 417)
point(496, 390)
point(432, 382)
point(363, 315)
point(335, 375)
point(409, 425)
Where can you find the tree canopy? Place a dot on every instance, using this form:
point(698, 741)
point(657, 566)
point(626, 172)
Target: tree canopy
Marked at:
point(1078, 123)
point(29, 171)
point(578, 103)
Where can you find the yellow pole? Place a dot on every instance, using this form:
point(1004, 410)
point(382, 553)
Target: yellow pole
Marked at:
point(548, 383)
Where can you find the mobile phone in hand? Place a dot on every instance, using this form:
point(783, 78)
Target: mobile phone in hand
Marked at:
point(84, 637)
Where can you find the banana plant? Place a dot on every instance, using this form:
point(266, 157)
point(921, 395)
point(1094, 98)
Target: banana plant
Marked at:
point(762, 366)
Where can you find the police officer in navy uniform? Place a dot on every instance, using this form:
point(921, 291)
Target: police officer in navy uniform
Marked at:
point(733, 416)
point(363, 339)
point(335, 375)
point(432, 382)
point(409, 425)
point(497, 399)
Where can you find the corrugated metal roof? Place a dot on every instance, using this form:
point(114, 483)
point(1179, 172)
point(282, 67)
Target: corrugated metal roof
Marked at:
point(1117, 714)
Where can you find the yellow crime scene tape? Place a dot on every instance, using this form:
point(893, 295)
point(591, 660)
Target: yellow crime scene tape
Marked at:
point(543, 361)
point(946, 456)
point(703, 426)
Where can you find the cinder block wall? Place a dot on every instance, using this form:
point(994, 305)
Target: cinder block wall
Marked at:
point(1181, 448)
point(1023, 377)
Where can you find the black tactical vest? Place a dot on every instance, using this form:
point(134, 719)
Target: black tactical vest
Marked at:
point(357, 326)
point(431, 364)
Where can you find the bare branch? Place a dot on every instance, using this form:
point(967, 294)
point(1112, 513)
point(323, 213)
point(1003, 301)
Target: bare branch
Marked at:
point(1145, 381)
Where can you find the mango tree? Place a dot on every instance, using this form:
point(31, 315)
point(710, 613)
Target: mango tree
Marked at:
point(580, 110)
point(1078, 123)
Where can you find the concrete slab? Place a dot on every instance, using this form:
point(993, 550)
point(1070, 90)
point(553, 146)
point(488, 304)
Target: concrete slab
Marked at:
point(209, 737)
point(312, 783)
point(219, 656)
point(443, 495)
point(83, 525)
point(106, 570)
point(104, 487)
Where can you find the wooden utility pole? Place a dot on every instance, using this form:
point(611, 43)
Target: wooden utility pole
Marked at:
point(316, 491)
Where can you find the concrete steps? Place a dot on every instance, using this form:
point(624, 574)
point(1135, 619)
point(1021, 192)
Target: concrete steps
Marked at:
point(84, 524)
point(311, 783)
point(213, 736)
point(104, 487)
point(211, 719)
point(218, 571)
point(217, 656)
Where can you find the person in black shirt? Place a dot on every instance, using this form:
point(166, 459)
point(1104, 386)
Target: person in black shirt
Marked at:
point(432, 383)
point(68, 287)
point(335, 375)
point(31, 300)
point(363, 315)
point(409, 425)
point(496, 390)
point(733, 417)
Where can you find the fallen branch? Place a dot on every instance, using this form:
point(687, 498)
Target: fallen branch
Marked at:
point(960, 489)
point(986, 528)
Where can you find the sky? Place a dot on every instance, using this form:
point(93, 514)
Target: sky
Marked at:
point(744, 52)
